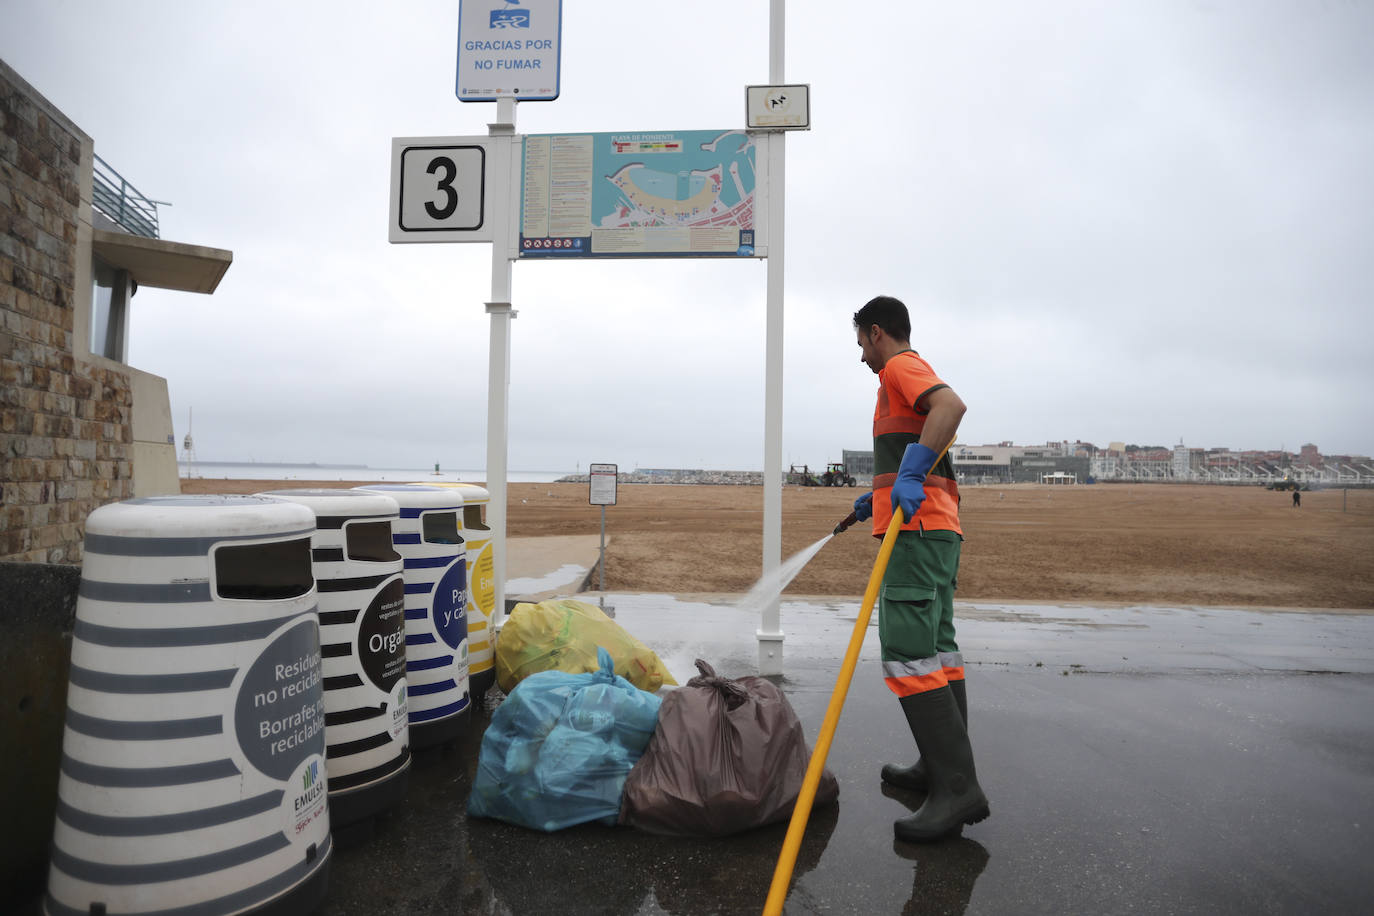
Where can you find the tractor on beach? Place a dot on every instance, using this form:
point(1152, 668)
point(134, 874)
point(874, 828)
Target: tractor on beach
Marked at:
point(836, 476)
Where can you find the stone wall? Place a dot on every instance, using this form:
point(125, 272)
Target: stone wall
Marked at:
point(65, 434)
point(65, 441)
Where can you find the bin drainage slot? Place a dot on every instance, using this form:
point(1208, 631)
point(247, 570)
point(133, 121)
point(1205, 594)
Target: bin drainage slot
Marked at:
point(264, 572)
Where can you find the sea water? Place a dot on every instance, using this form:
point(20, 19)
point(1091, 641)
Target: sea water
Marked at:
point(771, 584)
point(257, 471)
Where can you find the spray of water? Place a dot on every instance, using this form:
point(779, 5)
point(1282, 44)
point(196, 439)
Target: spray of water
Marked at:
point(771, 584)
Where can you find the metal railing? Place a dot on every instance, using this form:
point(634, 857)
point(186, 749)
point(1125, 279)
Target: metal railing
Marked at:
point(122, 202)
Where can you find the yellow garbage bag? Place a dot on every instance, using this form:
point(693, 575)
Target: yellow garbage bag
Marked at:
point(563, 635)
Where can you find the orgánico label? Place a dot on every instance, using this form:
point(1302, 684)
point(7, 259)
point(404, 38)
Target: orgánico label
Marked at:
point(382, 635)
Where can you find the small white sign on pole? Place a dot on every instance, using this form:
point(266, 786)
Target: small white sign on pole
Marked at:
point(602, 484)
point(508, 50)
point(778, 107)
point(601, 492)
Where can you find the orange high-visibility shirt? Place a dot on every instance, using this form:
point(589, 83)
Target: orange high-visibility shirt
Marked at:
point(896, 424)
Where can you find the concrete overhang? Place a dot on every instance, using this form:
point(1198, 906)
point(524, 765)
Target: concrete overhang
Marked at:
point(163, 264)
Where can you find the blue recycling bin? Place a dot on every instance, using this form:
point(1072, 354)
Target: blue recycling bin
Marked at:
point(427, 536)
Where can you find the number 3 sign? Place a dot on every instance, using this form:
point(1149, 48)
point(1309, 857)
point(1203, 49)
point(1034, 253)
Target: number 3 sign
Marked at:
point(438, 189)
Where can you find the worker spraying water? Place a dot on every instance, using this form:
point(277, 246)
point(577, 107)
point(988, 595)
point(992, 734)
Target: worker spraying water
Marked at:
point(915, 509)
point(916, 414)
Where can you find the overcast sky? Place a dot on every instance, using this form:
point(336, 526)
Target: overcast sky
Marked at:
point(1145, 221)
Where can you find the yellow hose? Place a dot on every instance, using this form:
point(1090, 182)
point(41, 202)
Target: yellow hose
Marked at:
point(791, 845)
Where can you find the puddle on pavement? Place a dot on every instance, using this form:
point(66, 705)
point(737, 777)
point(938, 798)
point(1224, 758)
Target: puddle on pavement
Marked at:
point(566, 574)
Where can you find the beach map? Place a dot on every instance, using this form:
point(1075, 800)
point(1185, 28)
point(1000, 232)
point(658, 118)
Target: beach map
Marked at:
point(639, 194)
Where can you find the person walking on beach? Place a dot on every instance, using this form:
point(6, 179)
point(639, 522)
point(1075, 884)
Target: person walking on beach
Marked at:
point(1297, 499)
point(916, 418)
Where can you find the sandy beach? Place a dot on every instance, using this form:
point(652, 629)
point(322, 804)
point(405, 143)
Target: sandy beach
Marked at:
point(1157, 544)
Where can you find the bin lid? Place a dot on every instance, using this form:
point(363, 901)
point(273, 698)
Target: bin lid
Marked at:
point(208, 515)
point(417, 496)
point(474, 493)
point(340, 501)
point(470, 492)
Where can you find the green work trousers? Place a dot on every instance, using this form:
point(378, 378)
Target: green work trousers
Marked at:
point(916, 604)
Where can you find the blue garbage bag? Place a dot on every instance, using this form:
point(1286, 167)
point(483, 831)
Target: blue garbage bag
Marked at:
point(560, 747)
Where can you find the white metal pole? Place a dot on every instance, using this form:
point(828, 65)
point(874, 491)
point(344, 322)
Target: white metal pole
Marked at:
point(498, 358)
point(770, 634)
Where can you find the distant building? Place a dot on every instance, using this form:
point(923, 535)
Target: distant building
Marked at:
point(1181, 466)
point(984, 463)
point(858, 462)
point(1031, 468)
point(1078, 461)
point(1104, 465)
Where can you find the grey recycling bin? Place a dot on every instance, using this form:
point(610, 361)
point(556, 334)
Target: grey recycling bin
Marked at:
point(362, 641)
point(193, 768)
point(435, 558)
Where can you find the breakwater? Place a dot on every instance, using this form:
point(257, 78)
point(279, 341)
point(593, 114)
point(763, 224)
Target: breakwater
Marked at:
point(678, 475)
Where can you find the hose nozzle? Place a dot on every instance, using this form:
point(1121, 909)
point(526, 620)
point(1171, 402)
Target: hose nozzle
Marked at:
point(849, 519)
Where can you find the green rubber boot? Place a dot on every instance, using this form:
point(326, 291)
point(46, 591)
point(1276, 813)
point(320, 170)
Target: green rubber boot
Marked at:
point(954, 798)
point(914, 776)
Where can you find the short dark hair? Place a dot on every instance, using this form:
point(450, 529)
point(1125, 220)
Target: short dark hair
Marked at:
point(887, 313)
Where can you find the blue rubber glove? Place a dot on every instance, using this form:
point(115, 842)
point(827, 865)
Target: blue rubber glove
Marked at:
point(863, 507)
point(909, 491)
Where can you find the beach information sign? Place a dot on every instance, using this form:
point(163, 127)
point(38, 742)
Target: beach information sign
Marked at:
point(686, 193)
point(508, 49)
point(601, 484)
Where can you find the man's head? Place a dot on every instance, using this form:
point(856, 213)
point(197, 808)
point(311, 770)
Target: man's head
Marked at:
point(883, 329)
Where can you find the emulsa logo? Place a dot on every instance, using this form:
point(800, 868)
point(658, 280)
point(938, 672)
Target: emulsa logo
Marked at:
point(310, 776)
point(310, 795)
point(307, 805)
point(511, 16)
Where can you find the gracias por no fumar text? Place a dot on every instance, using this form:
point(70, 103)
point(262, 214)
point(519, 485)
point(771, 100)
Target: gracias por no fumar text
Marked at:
point(508, 44)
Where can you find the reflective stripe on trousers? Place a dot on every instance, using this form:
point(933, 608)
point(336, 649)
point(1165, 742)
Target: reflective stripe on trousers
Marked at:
point(923, 674)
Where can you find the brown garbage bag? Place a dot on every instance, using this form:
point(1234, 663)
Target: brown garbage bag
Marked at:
point(728, 755)
point(563, 635)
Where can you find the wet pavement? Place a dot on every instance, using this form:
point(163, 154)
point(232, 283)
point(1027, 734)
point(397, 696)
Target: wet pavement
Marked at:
point(1137, 760)
point(1153, 760)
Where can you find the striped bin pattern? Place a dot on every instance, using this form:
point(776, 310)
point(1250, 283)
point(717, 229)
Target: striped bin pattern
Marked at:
point(193, 771)
point(358, 575)
point(435, 569)
point(481, 587)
